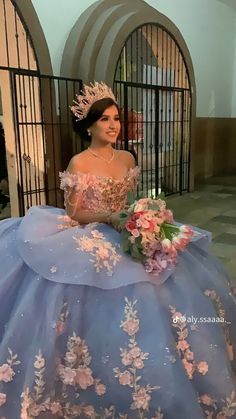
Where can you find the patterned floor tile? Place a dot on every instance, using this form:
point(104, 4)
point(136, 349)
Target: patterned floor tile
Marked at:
point(224, 250)
point(225, 219)
point(226, 238)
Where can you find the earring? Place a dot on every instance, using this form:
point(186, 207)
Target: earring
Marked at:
point(89, 133)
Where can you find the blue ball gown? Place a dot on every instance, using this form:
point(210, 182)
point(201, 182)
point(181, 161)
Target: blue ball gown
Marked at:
point(86, 332)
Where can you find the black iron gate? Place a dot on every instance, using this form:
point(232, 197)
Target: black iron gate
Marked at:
point(152, 86)
point(44, 136)
point(39, 137)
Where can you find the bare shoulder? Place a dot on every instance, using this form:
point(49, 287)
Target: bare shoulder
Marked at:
point(77, 162)
point(127, 158)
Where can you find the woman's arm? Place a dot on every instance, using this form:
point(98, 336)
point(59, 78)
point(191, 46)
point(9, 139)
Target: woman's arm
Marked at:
point(74, 211)
point(73, 200)
point(86, 216)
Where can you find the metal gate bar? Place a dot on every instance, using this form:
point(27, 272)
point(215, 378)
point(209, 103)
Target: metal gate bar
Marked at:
point(44, 136)
point(153, 88)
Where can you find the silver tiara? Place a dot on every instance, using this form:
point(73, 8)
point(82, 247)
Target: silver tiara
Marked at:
point(90, 94)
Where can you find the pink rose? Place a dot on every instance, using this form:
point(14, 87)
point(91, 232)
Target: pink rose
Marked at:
point(169, 216)
point(84, 377)
point(130, 226)
point(154, 227)
point(135, 233)
point(131, 326)
point(6, 373)
point(146, 224)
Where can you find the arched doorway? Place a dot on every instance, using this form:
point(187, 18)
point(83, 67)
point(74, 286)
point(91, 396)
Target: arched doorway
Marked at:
point(153, 87)
point(21, 108)
point(95, 48)
point(35, 110)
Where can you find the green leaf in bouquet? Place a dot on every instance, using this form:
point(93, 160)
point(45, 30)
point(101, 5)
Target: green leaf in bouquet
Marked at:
point(125, 243)
point(169, 231)
point(138, 242)
point(125, 246)
point(124, 214)
point(123, 218)
point(135, 252)
point(130, 198)
point(161, 196)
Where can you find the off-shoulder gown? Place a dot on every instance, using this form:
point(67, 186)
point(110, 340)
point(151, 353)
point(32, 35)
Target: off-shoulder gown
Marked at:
point(86, 332)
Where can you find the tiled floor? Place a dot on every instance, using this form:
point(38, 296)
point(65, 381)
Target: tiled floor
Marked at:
point(212, 207)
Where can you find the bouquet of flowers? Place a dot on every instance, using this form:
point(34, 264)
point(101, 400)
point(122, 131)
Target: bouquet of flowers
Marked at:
point(149, 234)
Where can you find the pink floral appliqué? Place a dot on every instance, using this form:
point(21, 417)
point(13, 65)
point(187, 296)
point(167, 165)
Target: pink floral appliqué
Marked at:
point(133, 359)
point(73, 373)
point(213, 411)
point(104, 253)
point(183, 347)
point(7, 373)
point(66, 222)
point(231, 349)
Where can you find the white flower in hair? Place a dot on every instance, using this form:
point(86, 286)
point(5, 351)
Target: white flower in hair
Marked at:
point(89, 95)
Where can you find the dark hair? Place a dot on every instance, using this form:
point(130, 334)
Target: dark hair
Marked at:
point(94, 114)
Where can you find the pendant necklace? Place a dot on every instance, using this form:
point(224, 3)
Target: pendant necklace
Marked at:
point(100, 157)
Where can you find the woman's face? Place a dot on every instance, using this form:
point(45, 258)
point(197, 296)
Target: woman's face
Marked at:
point(107, 127)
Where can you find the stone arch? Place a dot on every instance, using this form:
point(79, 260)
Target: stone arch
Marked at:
point(24, 56)
point(30, 19)
point(96, 40)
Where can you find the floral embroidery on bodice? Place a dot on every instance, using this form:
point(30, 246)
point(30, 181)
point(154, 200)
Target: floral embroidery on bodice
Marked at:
point(99, 193)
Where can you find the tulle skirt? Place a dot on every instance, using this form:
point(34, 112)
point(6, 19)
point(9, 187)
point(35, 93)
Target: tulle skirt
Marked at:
point(85, 332)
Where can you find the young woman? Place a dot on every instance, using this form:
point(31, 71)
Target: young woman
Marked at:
point(85, 331)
